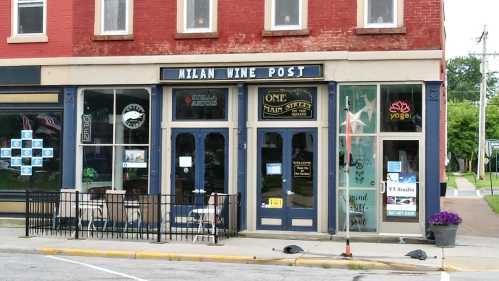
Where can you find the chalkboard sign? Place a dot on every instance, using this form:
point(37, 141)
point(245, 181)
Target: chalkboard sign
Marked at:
point(287, 103)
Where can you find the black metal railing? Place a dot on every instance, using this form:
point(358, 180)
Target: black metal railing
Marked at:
point(199, 217)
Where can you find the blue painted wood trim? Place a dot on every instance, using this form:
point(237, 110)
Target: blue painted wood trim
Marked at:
point(242, 137)
point(432, 149)
point(156, 131)
point(332, 93)
point(69, 138)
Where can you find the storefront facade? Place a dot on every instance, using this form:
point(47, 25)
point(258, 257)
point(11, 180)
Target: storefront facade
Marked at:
point(159, 99)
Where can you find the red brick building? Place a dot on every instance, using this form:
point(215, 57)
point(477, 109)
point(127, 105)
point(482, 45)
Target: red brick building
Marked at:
point(233, 96)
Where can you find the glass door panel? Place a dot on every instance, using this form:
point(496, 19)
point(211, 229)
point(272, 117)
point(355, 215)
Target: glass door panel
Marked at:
point(185, 168)
point(401, 181)
point(214, 163)
point(301, 194)
point(271, 154)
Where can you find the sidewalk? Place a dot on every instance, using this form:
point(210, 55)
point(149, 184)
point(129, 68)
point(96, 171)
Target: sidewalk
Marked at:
point(464, 185)
point(478, 218)
point(472, 253)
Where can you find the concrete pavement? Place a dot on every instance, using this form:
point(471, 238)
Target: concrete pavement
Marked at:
point(475, 251)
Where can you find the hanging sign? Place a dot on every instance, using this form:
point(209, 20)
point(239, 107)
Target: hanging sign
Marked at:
point(401, 192)
point(302, 169)
point(287, 103)
point(86, 128)
point(238, 73)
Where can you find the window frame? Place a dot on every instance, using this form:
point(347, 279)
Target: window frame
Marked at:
point(114, 32)
point(15, 18)
point(298, 26)
point(393, 24)
point(80, 145)
point(186, 29)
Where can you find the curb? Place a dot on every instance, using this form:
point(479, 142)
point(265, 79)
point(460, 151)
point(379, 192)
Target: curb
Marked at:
point(310, 262)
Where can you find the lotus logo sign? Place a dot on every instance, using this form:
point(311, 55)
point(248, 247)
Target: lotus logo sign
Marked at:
point(133, 116)
point(400, 110)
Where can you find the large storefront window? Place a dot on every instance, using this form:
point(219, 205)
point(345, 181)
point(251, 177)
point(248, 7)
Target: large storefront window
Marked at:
point(362, 101)
point(115, 140)
point(30, 142)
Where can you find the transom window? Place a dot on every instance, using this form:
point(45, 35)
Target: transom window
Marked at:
point(286, 14)
point(198, 15)
point(29, 16)
point(381, 13)
point(115, 16)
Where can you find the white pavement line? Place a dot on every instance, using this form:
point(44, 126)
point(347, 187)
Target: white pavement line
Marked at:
point(444, 276)
point(97, 268)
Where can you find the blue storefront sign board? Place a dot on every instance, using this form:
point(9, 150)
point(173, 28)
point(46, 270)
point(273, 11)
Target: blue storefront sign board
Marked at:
point(238, 73)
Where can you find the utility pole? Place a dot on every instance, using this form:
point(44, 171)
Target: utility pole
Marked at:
point(480, 174)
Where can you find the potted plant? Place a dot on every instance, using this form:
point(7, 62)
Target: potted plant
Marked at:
point(444, 226)
point(89, 175)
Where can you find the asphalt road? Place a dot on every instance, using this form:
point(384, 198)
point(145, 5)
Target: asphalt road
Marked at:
point(39, 267)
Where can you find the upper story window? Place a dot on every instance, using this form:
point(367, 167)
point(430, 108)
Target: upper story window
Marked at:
point(115, 16)
point(29, 17)
point(198, 16)
point(286, 14)
point(381, 13)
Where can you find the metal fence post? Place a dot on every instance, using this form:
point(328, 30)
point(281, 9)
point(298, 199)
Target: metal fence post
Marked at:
point(158, 226)
point(77, 211)
point(215, 234)
point(27, 213)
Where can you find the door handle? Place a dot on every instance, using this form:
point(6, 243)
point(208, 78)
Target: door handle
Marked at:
point(383, 187)
point(290, 192)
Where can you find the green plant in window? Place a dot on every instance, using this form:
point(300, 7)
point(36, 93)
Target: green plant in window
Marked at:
point(89, 175)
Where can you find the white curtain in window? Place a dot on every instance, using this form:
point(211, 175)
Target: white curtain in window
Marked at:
point(115, 15)
point(198, 13)
point(287, 12)
point(381, 11)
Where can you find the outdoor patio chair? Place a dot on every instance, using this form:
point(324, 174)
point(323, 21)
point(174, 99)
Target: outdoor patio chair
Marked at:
point(66, 207)
point(116, 209)
point(209, 216)
point(149, 216)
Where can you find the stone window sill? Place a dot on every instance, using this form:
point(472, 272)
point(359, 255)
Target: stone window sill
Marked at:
point(380, 31)
point(196, 35)
point(278, 33)
point(20, 39)
point(126, 37)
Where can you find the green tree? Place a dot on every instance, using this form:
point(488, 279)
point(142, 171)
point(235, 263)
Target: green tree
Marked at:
point(463, 79)
point(462, 129)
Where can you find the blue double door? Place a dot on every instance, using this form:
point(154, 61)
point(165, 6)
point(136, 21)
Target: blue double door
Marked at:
point(199, 165)
point(287, 179)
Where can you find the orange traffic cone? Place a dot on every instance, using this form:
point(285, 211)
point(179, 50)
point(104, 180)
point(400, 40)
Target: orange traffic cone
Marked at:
point(348, 251)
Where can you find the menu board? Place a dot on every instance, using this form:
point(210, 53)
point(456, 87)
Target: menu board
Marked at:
point(287, 103)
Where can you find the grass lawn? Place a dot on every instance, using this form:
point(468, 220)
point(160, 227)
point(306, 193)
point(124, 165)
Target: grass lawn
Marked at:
point(485, 183)
point(493, 202)
point(451, 181)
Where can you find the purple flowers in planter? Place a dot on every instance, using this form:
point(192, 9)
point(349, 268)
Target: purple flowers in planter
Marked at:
point(445, 218)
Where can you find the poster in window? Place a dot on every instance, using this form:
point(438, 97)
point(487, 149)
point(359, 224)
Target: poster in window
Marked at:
point(302, 169)
point(135, 158)
point(401, 192)
point(287, 103)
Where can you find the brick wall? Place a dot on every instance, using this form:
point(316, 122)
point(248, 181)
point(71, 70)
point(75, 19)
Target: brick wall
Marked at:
point(59, 31)
point(331, 22)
